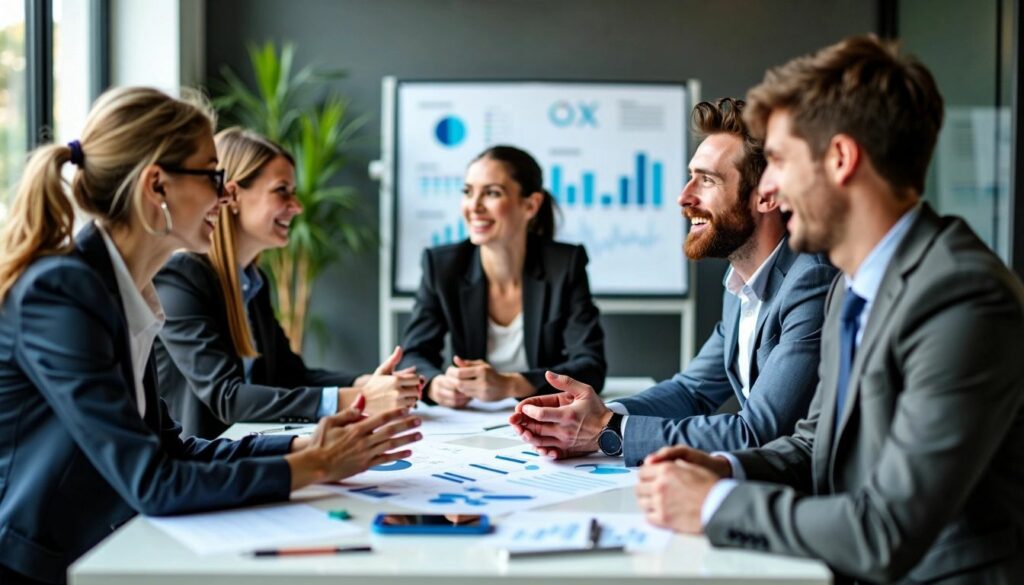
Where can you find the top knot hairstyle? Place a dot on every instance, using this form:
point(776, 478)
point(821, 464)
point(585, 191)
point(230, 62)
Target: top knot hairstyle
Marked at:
point(862, 87)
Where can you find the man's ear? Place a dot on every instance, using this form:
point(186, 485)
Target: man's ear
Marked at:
point(842, 158)
point(763, 203)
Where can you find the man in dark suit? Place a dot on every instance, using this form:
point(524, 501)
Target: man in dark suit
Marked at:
point(763, 351)
point(910, 464)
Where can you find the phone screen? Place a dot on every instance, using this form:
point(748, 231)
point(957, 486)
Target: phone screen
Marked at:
point(428, 520)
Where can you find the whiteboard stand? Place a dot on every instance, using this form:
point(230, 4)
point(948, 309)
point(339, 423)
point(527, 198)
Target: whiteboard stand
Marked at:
point(391, 305)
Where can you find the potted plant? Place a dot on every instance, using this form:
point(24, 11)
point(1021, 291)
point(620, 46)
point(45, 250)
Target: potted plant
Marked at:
point(317, 131)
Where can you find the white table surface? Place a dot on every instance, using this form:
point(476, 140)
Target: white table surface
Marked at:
point(140, 553)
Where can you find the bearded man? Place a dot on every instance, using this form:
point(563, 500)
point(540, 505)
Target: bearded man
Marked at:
point(764, 350)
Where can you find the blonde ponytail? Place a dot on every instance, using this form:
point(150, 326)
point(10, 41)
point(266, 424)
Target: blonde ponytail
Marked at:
point(127, 130)
point(41, 218)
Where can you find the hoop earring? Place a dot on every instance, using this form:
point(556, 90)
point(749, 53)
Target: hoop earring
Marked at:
point(167, 219)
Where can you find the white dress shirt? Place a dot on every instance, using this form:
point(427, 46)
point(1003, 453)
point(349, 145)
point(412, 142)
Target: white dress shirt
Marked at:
point(144, 313)
point(865, 283)
point(751, 296)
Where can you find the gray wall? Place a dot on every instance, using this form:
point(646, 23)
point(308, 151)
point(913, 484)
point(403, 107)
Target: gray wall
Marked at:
point(726, 44)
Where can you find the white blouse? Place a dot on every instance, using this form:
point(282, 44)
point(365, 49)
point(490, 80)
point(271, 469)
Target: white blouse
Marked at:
point(506, 348)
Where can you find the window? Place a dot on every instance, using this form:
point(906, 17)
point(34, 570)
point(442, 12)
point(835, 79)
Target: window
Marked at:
point(13, 98)
point(970, 174)
point(72, 67)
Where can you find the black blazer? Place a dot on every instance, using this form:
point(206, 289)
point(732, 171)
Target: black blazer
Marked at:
point(561, 328)
point(205, 379)
point(76, 459)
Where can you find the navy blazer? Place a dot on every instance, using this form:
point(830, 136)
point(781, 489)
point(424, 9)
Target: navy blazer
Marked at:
point(204, 379)
point(783, 370)
point(76, 459)
point(561, 327)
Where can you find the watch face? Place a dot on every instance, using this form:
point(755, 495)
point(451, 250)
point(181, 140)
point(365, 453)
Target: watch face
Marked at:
point(609, 442)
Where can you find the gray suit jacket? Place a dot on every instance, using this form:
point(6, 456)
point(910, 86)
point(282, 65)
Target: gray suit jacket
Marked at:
point(783, 371)
point(924, 477)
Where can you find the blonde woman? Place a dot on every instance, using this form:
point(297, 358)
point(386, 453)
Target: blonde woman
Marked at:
point(85, 443)
point(222, 347)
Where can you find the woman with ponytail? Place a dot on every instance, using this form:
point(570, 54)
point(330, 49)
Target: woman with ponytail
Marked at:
point(85, 442)
point(515, 302)
point(222, 353)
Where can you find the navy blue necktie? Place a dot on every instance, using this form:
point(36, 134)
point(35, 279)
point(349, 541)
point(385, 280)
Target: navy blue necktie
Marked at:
point(848, 325)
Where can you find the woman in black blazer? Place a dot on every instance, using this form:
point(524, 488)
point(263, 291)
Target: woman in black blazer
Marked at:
point(515, 302)
point(222, 351)
point(85, 442)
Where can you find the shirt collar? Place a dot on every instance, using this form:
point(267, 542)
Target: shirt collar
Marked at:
point(142, 308)
point(868, 279)
point(755, 287)
point(251, 282)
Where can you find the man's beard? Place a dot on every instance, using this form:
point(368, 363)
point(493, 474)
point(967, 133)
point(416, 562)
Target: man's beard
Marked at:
point(723, 235)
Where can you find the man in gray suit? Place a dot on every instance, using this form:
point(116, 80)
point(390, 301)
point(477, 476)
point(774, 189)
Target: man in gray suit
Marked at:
point(763, 351)
point(910, 463)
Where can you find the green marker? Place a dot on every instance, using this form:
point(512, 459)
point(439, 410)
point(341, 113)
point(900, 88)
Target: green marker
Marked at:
point(339, 514)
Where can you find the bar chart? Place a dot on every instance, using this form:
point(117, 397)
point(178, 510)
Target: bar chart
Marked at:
point(644, 187)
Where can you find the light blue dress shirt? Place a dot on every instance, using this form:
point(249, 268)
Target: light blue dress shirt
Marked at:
point(252, 283)
point(865, 284)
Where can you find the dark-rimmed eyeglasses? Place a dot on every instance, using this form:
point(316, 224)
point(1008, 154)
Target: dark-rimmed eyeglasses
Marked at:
point(216, 176)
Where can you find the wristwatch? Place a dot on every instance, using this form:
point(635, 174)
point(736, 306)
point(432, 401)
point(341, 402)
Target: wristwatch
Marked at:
point(610, 439)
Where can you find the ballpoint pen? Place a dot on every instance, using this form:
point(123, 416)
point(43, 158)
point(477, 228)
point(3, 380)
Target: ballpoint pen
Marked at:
point(277, 429)
point(304, 551)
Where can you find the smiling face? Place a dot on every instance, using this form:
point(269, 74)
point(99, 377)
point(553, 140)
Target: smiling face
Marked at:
point(267, 206)
point(798, 182)
point(493, 205)
point(193, 200)
point(720, 220)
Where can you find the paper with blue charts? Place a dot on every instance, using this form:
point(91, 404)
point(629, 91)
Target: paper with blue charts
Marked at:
point(537, 531)
point(494, 476)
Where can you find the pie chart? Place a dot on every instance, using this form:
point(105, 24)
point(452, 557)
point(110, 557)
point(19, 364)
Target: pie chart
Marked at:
point(450, 131)
point(393, 466)
point(602, 469)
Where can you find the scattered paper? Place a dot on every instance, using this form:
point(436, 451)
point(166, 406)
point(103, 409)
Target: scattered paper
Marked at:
point(444, 421)
point(532, 531)
point(248, 529)
point(459, 478)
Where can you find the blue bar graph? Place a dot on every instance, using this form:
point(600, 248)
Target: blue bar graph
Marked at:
point(656, 170)
point(588, 189)
point(641, 172)
point(445, 236)
point(643, 185)
point(556, 182)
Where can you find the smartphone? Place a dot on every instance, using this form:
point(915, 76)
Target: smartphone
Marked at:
point(431, 524)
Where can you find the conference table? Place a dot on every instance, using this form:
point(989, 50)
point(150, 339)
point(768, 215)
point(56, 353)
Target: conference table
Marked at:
point(139, 552)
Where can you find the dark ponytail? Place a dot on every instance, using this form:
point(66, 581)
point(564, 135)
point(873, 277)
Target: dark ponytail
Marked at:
point(525, 171)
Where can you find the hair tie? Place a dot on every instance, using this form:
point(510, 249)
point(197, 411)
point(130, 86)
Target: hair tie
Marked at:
point(77, 156)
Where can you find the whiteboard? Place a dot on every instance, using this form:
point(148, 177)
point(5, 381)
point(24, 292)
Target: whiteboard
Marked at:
point(613, 155)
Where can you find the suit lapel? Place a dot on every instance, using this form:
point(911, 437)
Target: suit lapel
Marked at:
point(730, 329)
point(907, 256)
point(780, 267)
point(89, 243)
point(473, 297)
point(535, 293)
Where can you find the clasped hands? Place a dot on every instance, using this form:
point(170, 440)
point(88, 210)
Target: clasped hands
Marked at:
point(469, 379)
point(674, 481)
